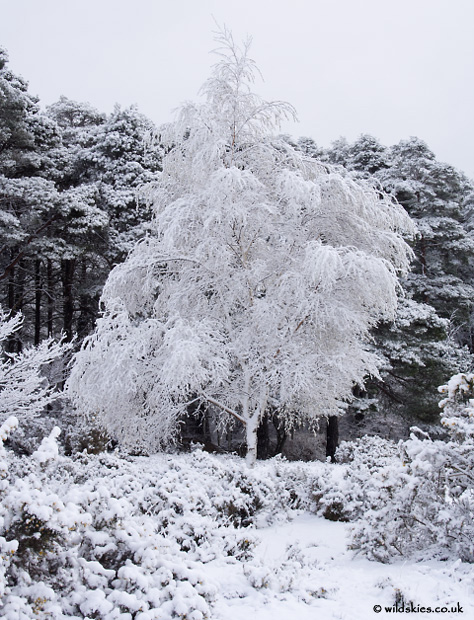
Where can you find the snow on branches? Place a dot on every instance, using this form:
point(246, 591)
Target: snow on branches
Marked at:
point(258, 287)
point(24, 389)
point(421, 503)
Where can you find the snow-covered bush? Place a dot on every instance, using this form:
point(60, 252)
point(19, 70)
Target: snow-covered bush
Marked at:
point(346, 491)
point(25, 391)
point(102, 535)
point(423, 501)
point(7, 547)
point(99, 537)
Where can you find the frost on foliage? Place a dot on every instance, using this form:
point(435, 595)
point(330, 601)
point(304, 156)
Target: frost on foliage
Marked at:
point(7, 547)
point(6, 429)
point(425, 343)
point(48, 449)
point(105, 537)
point(458, 407)
point(258, 286)
point(425, 505)
point(24, 390)
point(98, 536)
point(10, 425)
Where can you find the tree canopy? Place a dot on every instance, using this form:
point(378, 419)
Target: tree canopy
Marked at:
point(258, 286)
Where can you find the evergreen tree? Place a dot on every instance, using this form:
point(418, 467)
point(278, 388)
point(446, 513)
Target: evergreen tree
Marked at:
point(29, 202)
point(100, 166)
point(435, 194)
point(424, 344)
point(123, 164)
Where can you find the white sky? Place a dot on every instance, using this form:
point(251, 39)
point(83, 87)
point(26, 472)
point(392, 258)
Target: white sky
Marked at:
point(390, 68)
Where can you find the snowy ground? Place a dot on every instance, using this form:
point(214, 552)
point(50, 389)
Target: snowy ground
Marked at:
point(197, 537)
point(303, 570)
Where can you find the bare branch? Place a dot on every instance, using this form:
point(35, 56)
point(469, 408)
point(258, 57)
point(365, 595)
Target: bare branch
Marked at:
point(213, 401)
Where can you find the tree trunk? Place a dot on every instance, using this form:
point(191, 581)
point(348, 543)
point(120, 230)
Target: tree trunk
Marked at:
point(251, 438)
point(252, 422)
point(50, 293)
point(10, 345)
point(68, 298)
point(87, 305)
point(280, 433)
point(37, 302)
point(263, 439)
point(332, 437)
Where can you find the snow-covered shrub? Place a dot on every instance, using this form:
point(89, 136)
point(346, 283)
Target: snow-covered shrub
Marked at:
point(426, 504)
point(369, 452)
point(109, 536)
point(7, 548)
point(25, 390)
point(102, 535)
point(458, 408)
point(345, 491)
point(291, 573)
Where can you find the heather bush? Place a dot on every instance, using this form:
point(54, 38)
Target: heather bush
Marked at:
point(422, 503)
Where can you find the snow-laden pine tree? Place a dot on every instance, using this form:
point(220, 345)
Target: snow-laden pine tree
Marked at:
point(260, 283)
point(425, 343)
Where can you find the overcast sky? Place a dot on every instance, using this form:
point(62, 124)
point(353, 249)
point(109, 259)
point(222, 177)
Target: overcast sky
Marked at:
point(390, 68)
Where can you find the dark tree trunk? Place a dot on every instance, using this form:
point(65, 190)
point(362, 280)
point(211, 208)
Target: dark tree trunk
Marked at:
point(10, 345)
point(280, 433)
point(38, 291)
point(332, 437)
point(20, 287)
point(11, 290)
point(87, 304)
point(68, 267)
point(50, 293)
point(263, 439)
point(16, 287)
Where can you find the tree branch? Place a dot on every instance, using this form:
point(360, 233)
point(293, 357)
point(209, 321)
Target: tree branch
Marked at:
point(225, 408)
point(20, 255)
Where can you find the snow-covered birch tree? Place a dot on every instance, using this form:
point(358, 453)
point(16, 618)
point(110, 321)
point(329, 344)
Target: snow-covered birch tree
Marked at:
point(260, 283)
